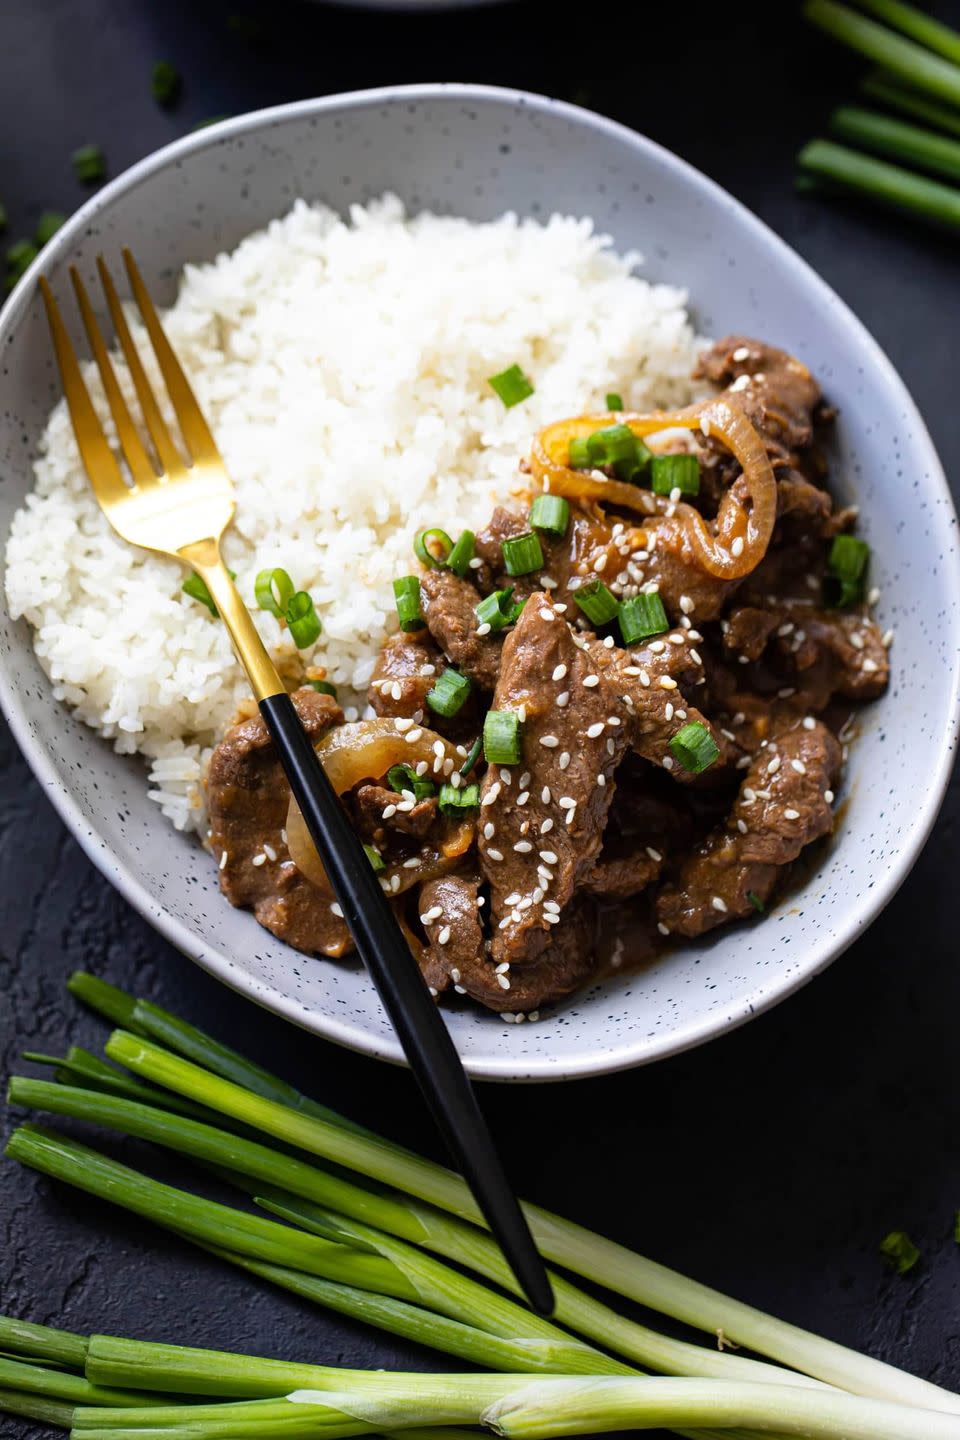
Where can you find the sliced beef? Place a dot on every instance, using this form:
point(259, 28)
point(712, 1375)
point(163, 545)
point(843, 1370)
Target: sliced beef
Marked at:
point(775, 391)
point(782, 806)
point(582, 705)
point(372, 800)
point(448, 605)
point(821, 653)
point(649, 823)
point(247, 800)
point(457, 949)
point(406, 670)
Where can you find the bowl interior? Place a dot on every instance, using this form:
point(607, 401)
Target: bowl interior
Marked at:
point(477, 153)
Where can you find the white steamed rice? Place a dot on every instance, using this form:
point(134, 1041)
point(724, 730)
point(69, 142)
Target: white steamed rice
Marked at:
point(343, 369)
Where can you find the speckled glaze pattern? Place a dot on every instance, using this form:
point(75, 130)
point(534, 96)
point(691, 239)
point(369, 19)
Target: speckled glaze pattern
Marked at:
point(477, 152)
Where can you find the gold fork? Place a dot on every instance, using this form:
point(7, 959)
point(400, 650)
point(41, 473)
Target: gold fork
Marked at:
point(179, 504)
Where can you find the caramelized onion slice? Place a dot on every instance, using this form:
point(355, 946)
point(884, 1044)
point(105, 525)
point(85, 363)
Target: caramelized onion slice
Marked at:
point(711, 547)
point(365, 750)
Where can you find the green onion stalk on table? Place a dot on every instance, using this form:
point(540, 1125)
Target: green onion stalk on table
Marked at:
point(353, 1222)
point(909, 164)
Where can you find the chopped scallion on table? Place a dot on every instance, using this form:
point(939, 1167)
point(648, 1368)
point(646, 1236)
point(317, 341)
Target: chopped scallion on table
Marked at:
point(675, 472)
point(273, 590)
point(3, 217)
point(499, 609)
point(641, 617)
point(406, 593)
point(501, 737)
point(522, 554)
point(89, 164)
point(165, 83)
point(19, 258)
point(433, 547)
point(512, 385)
point(550, 513)
point(899, 1251)
point(47, 226)
point(448, 694)
point(303, 622)
point(453, 800)
point(462, 553)
point(614, 401)
point(597, 602)
point(694, 747)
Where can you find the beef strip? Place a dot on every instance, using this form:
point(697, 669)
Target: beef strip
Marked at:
point(458, 951)
point(371, 801)
point(646, 826)
point(582, 705)
point(448, 604)
point(822, 652)
point(406, 670)
point(774, 390)
point(781, 807)
point(247, 799)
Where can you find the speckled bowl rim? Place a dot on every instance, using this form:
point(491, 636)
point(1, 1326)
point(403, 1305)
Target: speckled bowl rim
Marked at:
point(353, 1036)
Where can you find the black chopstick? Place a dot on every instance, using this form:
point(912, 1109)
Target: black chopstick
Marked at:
point(426, 1042)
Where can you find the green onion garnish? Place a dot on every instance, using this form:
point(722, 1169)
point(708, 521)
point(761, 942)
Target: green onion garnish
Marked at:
point(404, 777)
point(375, 858)
point(641, 617)
point(598, 603)
point(756, 902)
point(165, 82)
point(522, 554)
point(694, 747)
point(322, 687)
point(462, 553)
point(550, 513)
point(617, 446)
point(89, 164)
point(614, 401)
point(899, 1251)
point(501, 737)
point(3, 217)
point(675, 472)
point(579, 457)
point(452, 801)
point(448, 694)
point(196, 588)
point(498, 610)
point(19, 259)
point(273, 591)
point(48, 225)
point(511, 385)
point(406, 593)
point(303, 621)
point(473, 757)
point(846, 570)
point(433, 547)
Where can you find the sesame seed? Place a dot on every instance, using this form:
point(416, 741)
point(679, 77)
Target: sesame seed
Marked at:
point(460, 989)
point(548, 857)
point(686, 605)
point(433, 991)
point(545, 875)
point(887, 639)
point(389, 811)
point(808, 722)
point(644, 678)
point(559, 607)
point(594, 730)
point(667, 682)
point(611, 745)
point(608, 642)
point(655, 855)
point(600, 564)
point(549, 741)
point(774, 765)
point(662, 928)
point(433, 913)
point(559, 672)
point(552, 906)
point(489, 830)
point(512, 898)
point(677, 639)
point(443, 937)
point(869, 666)
point(396, 690)
point(591, 680)
point(502, 968)
point(476, 562)
point(523, 797)
point(828, 796)
point(695, 656)
point(548, 583)
point(494, 854)
point(336, 909)
point(786, 692)
point(874, 595)
point(718, 903)
point(483, 629)
point(763, 794)
point(402, 724)
point(546, 613)
point(736, 547)
point(563, 699)
point(413, 736)
point(657, 647)
point(680, 714)
point(566, 802)
point(564, 759)
point(667, 763)
point(492, 795)
point(523, 847)
point(797, 765)
point(742, 826)
point(547, 826)
point(791, 814)
point(223, 860)
point(727, 735)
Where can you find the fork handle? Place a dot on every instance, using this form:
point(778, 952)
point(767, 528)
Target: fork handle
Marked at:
point(426, 1041)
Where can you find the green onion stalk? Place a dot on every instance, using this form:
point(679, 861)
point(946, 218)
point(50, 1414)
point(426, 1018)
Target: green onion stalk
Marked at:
point(208, 1073)
point(909, 144)
point(913, 64)
point(890, 185)
point(880, 86)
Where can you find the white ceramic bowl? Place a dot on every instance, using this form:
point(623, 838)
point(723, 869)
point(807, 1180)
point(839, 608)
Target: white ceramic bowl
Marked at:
point(478, 152)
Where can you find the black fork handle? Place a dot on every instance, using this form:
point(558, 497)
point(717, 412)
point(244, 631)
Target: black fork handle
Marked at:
point(426, 1041)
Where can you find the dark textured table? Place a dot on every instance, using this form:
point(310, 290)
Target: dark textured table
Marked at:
point(770, 1163)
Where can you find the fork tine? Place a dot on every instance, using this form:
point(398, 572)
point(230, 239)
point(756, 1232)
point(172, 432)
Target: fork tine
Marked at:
point(169, 456)
point(99, 461)
point(193, 427)
point(139, 462)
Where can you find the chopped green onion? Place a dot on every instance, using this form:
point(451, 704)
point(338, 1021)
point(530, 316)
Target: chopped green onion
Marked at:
point(694, 747)
point(303, 621)
point(48, 225)
point(598, 603)
point(899, 1251)
point(322, 687)
point(756, 902)
point(522, 554)
point(19, 259)
point(471, 760)
point(880, 86)
point(618, 447)
point(912, 64)
point(641, 617)
point(498, 610)
point(846, 569)
point(462, 553)
point(449, 693)
point(511, 385)
point(890, 185)
point(89, 164)
point(196, 588)
point(579, 457)
point(376, 859)
point(501, 737)
point(675, 472)
point(404, 777)
point(406, 593)
point(3, 217)
point(453, 800)
point(614, 401)
point(210, 120)
point(550, 513)
point(165, 82)
point(273, 590)
point(912, 145)
point(427, 543)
